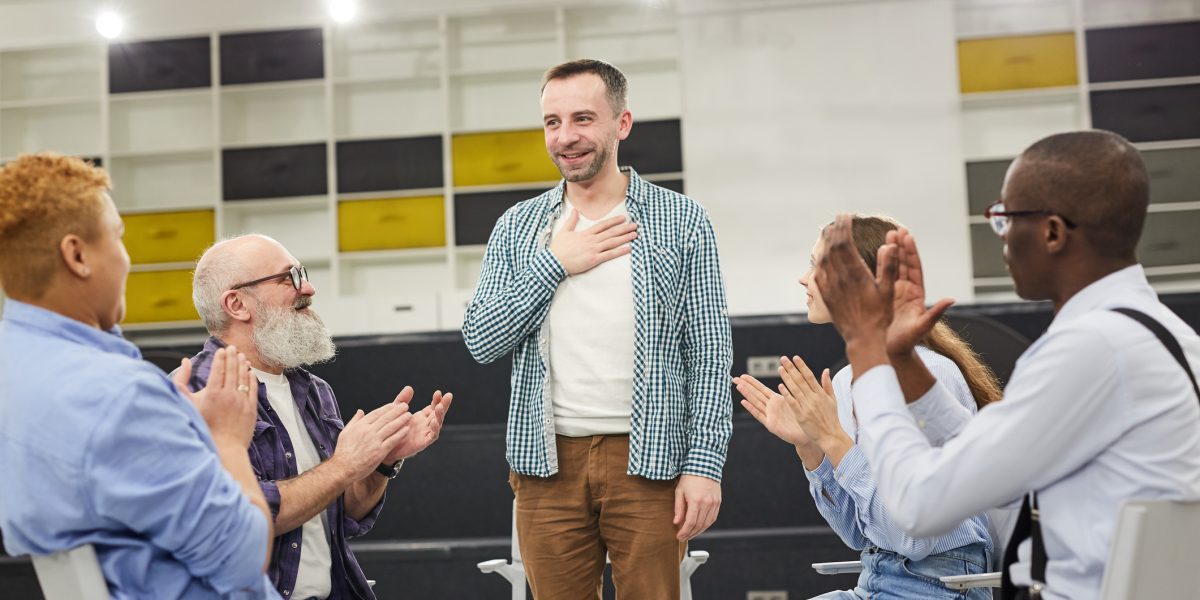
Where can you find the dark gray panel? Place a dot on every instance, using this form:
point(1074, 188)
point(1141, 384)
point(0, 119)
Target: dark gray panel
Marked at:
point(984, 180)
point(1174, 174)
point(1170, 238)
point(272, 56)
point(987, 252)
point(393, 164)
point(675, 185)
point(159, 65)
point(475, 214)
point(274, 172)
point(1144, 52)
point(1149, 114)
point(653, 147)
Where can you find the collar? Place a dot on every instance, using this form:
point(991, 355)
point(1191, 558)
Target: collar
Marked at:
point(635, 191)
point(1114, 289)
point(66, 328)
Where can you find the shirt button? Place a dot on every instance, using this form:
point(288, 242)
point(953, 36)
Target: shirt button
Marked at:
point(287, 454)
point(921, 423)
point(287, 592)
point(295, 545)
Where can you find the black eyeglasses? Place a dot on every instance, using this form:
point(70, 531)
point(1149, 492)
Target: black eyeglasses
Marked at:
point(1001, 220)
point(298, 274)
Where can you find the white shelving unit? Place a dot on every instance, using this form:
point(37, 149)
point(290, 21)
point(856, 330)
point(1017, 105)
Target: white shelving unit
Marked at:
point(384, 78)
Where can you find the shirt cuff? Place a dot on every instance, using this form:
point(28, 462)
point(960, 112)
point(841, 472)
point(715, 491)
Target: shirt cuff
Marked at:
point(939, 415)
point(704, 463)
point(823, 473)
point(853, 469)
point(355, 528)
point(876, 394)
point(270, 490)
point(547, 268)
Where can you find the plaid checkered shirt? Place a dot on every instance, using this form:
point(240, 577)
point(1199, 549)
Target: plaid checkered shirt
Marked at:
point(681, 406)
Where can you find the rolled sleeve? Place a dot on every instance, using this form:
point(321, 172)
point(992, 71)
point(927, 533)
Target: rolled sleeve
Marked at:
point(357, 527)
point(939, 415)
point(270, 490)
point(152, 467)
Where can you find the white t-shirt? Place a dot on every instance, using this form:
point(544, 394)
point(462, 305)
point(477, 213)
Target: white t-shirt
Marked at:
point(316, 560)
point(591, 325)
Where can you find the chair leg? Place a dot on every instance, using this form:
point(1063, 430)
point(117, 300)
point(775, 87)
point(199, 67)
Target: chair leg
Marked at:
point(690, 563)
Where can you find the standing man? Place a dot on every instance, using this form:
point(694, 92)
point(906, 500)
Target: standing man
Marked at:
point(608, 292)
point(324, 481)
point(1097, 412)
point(97, 446)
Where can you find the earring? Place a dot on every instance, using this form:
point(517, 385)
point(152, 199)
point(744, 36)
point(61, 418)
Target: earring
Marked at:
point(86, 271)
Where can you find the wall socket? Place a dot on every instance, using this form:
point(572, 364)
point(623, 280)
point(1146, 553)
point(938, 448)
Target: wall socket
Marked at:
point(761, 367)
point(767, 595)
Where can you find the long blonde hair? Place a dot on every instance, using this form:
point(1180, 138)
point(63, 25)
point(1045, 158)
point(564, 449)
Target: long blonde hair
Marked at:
point(869, 234)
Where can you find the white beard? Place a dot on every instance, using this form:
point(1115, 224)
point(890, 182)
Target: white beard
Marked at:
point(287, 338)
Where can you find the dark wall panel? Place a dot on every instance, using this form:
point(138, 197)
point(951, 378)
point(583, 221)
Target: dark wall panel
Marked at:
point(272, 56)
point(653, 147)
point(1149, 114)
point(393, 164)
point(475, 214)
point(1144, 52)
point(984, 180)
point(159, 65)
point(274, 172)
point(1174, 174)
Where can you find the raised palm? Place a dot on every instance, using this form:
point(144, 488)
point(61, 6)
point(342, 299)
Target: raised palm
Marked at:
point(772, 410)
point(911, 320)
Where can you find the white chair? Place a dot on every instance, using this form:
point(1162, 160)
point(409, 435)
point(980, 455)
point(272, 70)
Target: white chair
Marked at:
point(71, 575)
point(514, 571)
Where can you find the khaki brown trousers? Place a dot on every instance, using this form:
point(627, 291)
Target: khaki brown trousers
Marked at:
point(568, 522)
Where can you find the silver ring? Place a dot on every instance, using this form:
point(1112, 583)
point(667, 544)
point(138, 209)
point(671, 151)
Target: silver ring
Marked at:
point(243, 388)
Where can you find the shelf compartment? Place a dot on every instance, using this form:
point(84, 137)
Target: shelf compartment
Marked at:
point(391, 223)
point(388, 49)
point(153, 65)
point(159, 296)
point(501, 157)
point(302, 225)
point(263, 56)
point(390, 164)
point(150, 124)
point(167, 237)
point(1149, 114)
point(388, 108)
point(1156, 51)
point(275, 172)
point(653, 147)
point(63, 72)
point(272, 115)
point(73, 129)
point(1017, 62)
point(502, 41)
point(172, 180)
point(475, 214)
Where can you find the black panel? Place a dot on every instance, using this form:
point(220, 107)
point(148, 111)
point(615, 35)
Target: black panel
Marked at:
point(1170, 238)
point(1174, 174)
point(984, 180)
point(1149, 114)
point(1144, 52)
point(275, 172)
point(159, 65)
point(18, 579)
point(653, 147)
point(396, 164)
point(272, 56)
point(475, 214)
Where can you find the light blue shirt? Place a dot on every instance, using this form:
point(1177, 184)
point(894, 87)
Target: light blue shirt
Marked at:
point(97, 447)
point(1096, 413)
point(847, 497)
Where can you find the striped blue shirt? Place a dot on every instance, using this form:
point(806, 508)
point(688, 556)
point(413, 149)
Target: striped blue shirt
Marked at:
point(681, 408)
point(853, 508)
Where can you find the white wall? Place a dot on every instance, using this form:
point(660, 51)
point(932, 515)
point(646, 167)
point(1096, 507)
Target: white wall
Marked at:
point(795, 113)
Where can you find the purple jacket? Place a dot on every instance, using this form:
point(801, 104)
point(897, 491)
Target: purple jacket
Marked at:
point(273, 460)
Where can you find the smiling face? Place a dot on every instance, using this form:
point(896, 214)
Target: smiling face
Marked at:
point(817, 311)
point(581, 127)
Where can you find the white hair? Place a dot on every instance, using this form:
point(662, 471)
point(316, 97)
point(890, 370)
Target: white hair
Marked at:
point(216, 272)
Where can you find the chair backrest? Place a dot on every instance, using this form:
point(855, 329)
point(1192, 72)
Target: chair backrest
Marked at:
point(71, 575)
point(1151, 555)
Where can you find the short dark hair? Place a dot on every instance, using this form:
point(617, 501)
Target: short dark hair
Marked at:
point(614, 80)
point(1097, 179)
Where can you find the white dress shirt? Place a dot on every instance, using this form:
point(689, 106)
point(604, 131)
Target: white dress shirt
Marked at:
point(1097, 412)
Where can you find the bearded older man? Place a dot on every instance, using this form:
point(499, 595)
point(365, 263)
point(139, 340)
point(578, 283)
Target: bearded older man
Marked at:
point(324, 481)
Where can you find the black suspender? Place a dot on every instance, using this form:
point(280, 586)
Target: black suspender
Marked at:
point(1029, 525)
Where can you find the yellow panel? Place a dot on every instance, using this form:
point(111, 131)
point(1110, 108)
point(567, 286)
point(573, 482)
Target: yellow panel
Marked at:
point(390, 223)
point(1015, 63)
point(154, 296)
point(504, 157)
point(168, 236)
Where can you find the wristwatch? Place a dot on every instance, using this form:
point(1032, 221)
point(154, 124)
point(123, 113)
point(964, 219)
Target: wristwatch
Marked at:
point(390, 471)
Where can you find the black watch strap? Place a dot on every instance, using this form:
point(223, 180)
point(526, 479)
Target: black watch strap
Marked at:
point(390, 471)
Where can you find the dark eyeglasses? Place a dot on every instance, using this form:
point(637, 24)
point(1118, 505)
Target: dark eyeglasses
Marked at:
point(1001, 220)
point(298, 274)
